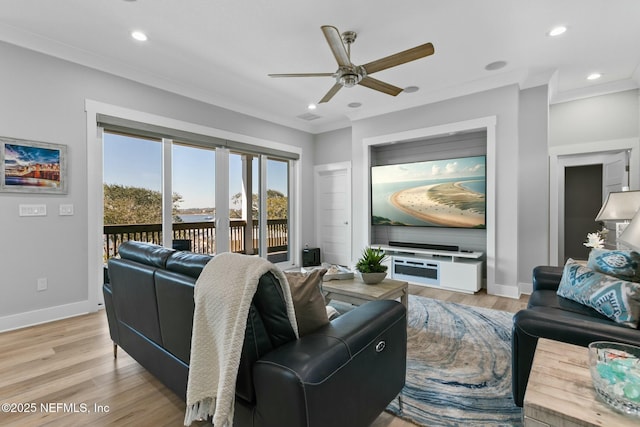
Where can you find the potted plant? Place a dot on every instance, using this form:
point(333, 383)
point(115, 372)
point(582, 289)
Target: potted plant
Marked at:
point(370, 266)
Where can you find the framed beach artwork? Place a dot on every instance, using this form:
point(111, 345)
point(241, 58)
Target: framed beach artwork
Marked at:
point(32, 167)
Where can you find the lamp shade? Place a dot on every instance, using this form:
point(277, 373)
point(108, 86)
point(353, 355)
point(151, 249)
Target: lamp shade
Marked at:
point(620, 206)
point(631, 234)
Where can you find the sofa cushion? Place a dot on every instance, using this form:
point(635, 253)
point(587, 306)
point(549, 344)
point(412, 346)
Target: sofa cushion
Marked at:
point(620, 264)
point(617, 299)
point(188, 263)
point(310, 306)
point(551, 300)
point(145, 253)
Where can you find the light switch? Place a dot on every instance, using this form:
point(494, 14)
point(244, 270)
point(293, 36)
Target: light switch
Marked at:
point(32, 210)
point(66, 210)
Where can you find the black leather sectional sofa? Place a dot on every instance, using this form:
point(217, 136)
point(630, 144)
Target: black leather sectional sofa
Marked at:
point(554, 317)
point(339, 375)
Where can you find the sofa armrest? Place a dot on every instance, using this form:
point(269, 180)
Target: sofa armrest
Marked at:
point(565, 326)
point(546, 277)
point(297, 382)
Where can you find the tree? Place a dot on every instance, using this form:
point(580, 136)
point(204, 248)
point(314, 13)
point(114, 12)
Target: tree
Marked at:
point(135, 205)
point(277, 205)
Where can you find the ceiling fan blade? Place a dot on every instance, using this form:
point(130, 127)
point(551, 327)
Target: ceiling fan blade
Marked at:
point(303, 75)
point(335, 43)
point(336, 87)
point(400, 58)
point(380, 86)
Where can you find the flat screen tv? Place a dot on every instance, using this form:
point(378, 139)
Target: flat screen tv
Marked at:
point(435, 193)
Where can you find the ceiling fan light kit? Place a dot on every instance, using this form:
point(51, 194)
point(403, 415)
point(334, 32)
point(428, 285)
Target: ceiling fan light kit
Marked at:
point(349, 74)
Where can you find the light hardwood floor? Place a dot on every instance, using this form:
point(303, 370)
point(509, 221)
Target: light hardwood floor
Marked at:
point(64, 374)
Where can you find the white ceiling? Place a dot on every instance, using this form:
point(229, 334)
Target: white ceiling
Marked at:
point(220, 51)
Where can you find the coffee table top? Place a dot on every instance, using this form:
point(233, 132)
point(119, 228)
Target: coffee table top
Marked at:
point(356, 288)
point(560, 390)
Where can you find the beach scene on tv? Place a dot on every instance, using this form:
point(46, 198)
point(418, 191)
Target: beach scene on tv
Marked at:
point(440, 193)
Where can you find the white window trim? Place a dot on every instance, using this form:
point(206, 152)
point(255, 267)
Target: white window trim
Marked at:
point(95, 211)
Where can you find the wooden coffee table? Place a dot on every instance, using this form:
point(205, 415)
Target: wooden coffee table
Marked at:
point(356, 292)
point(560, 391)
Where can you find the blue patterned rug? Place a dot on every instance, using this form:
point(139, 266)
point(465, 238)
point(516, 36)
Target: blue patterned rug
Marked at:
point(458, 366)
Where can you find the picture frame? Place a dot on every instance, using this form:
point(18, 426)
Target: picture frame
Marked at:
point(32, 167)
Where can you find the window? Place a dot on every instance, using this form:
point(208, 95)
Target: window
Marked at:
point(136, 189)
point(194, 192)
point(278, 210)
point(132, 185)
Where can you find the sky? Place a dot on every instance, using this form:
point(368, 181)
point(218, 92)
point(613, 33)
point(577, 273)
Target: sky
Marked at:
point(16, 154)
point(138, 162)
point(433, 169)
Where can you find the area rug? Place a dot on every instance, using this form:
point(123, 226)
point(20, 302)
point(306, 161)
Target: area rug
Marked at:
point(458, 366)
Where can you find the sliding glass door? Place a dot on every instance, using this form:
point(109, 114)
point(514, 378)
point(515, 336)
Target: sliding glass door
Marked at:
point(248, 198)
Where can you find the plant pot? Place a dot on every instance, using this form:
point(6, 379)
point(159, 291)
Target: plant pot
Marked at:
point(372, 278)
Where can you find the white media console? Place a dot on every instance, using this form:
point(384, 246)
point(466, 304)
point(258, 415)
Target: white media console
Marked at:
point(453, 270)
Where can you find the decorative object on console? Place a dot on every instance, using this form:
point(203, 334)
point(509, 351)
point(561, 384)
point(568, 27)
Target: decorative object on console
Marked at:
point(370, 266)
point(615, 371)
point(620, 206)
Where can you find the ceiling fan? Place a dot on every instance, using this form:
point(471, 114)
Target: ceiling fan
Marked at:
point(349, 74)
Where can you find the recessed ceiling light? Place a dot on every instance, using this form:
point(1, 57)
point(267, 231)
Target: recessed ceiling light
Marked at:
point(556, 31)
point(354, 105)
point(495, 65)
point(312, 106)
point(139, 35)
point(594, 76)
point(411, 89)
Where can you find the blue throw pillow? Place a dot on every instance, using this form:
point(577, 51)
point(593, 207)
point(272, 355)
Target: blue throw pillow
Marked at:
point(617, 299)
point(620, 264)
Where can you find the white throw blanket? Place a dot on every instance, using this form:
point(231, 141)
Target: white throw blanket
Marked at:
point(223, 295)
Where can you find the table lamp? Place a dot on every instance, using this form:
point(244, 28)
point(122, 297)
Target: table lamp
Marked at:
point(620, 206)
point(631, 234)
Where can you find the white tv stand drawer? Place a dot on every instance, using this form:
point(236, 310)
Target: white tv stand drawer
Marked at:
point(457, 271)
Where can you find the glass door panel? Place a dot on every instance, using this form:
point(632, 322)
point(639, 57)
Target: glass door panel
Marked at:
point(132, 185)
point(278, 210)
point(194, 195)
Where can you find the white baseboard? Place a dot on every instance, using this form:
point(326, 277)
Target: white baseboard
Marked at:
point(504, 291)
point(45, 315)
point(525, 288)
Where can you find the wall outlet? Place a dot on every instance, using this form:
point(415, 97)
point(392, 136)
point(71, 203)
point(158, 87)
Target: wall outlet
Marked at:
point(66, 210)
point(42, 284)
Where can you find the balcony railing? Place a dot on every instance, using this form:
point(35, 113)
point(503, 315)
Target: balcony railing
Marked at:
point(200, 237)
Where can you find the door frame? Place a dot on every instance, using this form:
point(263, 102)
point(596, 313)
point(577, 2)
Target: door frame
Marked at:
point(332, 167)
point(577, 155)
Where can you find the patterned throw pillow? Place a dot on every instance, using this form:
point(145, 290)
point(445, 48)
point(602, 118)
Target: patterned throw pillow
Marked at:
point(617, 299)
point(620, 264)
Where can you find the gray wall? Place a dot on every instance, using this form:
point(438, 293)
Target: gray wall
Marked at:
point(43, 99)
point(599, 118)
point(533, 185)
point(502, 103)
point(332, 147)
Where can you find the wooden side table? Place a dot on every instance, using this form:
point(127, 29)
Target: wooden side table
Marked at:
point(355, 292)
point(560, 391)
